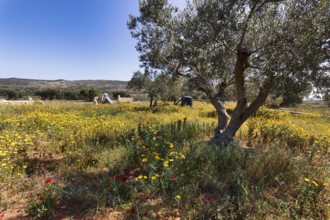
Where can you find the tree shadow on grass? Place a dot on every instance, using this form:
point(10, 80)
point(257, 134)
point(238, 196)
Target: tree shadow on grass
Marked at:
point(34, 165)
point(85, 196)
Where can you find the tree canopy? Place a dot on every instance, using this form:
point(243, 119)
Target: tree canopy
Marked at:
point(218, 44)
point(158, 86)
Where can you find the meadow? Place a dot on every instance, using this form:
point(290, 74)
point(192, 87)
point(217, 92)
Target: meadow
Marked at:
point(66, 160)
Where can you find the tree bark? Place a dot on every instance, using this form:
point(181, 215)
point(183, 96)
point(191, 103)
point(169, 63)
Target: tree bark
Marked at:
point(226, 132)
point(223, 117)
point(151, 100)
point(224, 138)
point(227, 135)
point(155, 103)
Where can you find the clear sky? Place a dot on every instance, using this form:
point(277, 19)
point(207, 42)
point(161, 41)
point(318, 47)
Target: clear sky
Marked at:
point(68, 39)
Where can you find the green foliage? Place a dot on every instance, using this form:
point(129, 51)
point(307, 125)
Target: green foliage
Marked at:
point(138, 163)
point(49, 94)
point(241, 49)
point(274, 102)
point(70, 94)
point(10, 94)
point(139, 81)
point(83, 93)
point(121, 93)
point(326, 98)
point(292, 91)
point(44, 201)
point(92, 93)
point(89, 94)
point(158, 86)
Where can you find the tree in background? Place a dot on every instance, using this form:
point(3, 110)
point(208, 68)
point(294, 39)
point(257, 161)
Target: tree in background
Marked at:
point(83, 94)
point(121, 93)
point(10, 93)
point(92, 93)
point(293, 91)
point(218, 44)
point(70, 94)
point(159, 86)
point(50, 94)
point(89, 94)
point(323, 88)
point(144, 82)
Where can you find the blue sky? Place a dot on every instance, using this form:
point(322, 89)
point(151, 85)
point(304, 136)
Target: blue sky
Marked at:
point(68, 39)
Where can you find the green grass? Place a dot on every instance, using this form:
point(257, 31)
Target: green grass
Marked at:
point(168, 169)
point(311, 108)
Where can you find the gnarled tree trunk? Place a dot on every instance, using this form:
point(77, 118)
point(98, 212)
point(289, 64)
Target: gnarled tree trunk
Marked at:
point(225, 132)
point(223, 117)
point(151, 101)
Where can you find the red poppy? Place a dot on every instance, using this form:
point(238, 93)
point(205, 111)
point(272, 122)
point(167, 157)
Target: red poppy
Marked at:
point(2, 215)
point(48, 180)
point(126, 172)
point(146, 213)
point(132, 210)
point(209, 199)
point(172, 177)
point(41, 198)
point(123, 180)
point(117, 177)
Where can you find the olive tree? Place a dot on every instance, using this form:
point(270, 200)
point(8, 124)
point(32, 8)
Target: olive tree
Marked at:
point(218, 44)
point(159, 86)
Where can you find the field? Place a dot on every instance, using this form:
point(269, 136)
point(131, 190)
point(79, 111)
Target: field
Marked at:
point(65, 160)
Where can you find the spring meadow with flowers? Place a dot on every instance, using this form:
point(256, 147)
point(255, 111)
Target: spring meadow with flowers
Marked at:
point(74, 160)
point(249, 141)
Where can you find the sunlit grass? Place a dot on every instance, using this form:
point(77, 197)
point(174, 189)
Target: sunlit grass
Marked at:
point(87, 160)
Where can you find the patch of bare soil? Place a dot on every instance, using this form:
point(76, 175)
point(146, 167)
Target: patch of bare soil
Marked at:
point(16, 210)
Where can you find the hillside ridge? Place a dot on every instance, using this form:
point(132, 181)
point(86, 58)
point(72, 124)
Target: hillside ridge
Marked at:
point(61, 83)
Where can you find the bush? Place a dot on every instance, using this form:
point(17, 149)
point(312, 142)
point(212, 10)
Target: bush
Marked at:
point(326, 99)
point(121, 93)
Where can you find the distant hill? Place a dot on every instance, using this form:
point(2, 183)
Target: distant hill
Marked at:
point(103, 85)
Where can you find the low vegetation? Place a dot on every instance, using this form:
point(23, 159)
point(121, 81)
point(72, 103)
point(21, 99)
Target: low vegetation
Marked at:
point(22, 89)
point(125, 161)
